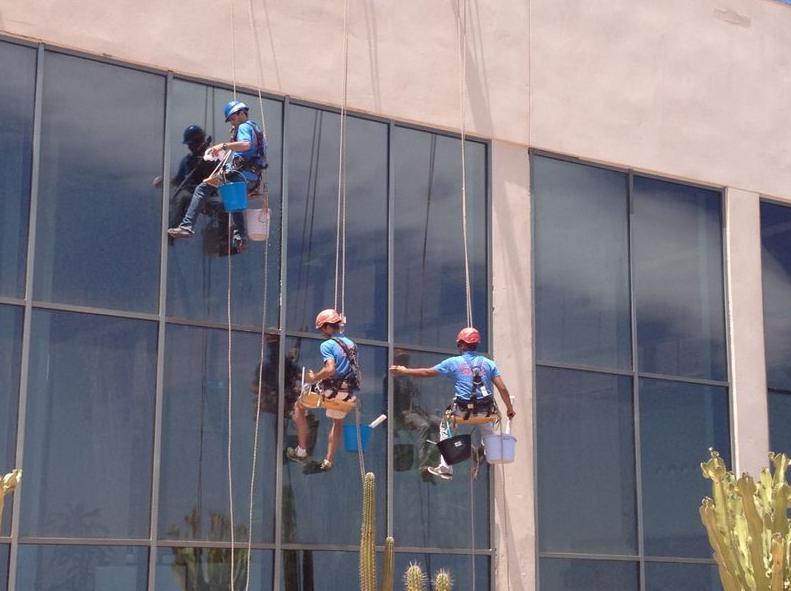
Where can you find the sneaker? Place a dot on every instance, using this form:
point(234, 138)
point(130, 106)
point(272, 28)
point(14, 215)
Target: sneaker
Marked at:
point(180, 232)
point(291, 454)
point(326, 466)
point(440, 472)
point(238, 244)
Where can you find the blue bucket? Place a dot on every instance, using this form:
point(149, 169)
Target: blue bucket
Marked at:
point(350, 437)
point(234, 196)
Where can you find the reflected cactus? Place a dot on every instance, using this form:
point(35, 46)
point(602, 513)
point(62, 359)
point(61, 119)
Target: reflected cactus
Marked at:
point(443, 581)
point(747, 525)
point(414, 579)
point(8, 484)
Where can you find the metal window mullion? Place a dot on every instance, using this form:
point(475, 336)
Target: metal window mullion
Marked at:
point(532, 262)
point(390, 484)
point(726, 319)
point(24, 369)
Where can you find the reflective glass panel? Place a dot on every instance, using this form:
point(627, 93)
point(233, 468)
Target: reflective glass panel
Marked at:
point(776, 270)
point(312, 213)
point(10, 352)
point(209, 569)
point(4, 549)
point(459, 566)
point(311, 510)
point(193, 498)
point(678, 423)
point(430, 512)
point(97, 241)
point(780, 421)
point(82, 568)
point(198, 266)
point(429, 247)
point(665, 576)
point(581, 264)
point(89, 433)
point(598, 410)
point(677, 241)
point(17, 93)
point(588, 575)
point(310, 570)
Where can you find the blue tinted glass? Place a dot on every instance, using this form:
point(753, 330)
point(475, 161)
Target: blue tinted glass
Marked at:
point(780, 421)
point(209, 569)
point(459, 566)
point(82, 568)
point(193, 502)
point(198, 267)
point(429, 252)
point(310, 500)
point(597, 409)
point(312, 220)
point(678, 279)
point(4, 549)
point(678, 423)
point(588, 575)
point(309, 570)
point(10, 351)
point(98, 215)
point(430, 512)
point(776, 270)
point(17, 89)
point(664, 576)
point(582, 264)
point(89, 429)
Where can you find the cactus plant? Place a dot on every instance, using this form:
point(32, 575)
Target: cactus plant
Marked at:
point(443, 581)
point(388, 574)
point(747, 525)
point(414, 579)
point(7, 485)
point(368, 535)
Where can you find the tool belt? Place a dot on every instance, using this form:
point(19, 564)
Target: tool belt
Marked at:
point(483, 408)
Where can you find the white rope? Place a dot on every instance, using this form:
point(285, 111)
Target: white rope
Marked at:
point(472, 517)
point(233, 50)
point(340, 234)
point(462, 28)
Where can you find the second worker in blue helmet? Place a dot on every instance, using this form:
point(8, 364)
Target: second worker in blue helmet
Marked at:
point(247, 164)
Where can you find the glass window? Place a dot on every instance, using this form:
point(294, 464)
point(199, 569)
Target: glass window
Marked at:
point(588, 575)
point(581, 264)
point(309, 570)
point(776, 268)
point(665, 576)
point(198, 267)
point(91, 396)
point(10, 351)
point(82, 568)
point(431, 513)
point(678, 423)
point(209, 569)
point(678, 279)
point(310, 514)
point(193, 502)
point(780, 421)
point(17, 93)
point(459, 566)
point(429, 257)
point(598, 410)
point(312, 230)
point(4, 549)
point(98, 214)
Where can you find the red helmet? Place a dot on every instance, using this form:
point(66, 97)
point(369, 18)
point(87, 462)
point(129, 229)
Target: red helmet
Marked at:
point(468, 335)
point(329, 316)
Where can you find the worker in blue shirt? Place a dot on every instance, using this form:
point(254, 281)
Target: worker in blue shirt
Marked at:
point(338, 379)
point(247, 165)
point(473, 376)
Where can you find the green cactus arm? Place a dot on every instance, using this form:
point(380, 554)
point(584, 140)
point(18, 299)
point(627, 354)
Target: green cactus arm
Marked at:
point(443, 581)
point(414, 579)
point(368, 535)
point(780, 463)
point(722, 554)
point(747, 491)
point(778, 562)
point(388, 574)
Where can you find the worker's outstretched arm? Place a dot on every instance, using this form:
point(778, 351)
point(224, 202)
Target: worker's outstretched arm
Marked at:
point(417, 372)
point(326, 372)
point(509, 407)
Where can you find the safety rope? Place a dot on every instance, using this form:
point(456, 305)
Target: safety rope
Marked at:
point(340, 232)
point(233, 50)
point(472, 521)
point(462, 28)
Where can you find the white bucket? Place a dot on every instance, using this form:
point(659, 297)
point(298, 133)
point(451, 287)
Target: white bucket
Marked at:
point(500, 447)
point(257, 221)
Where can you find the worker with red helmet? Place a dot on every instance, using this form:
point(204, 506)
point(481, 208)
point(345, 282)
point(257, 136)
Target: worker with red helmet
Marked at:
point(338, 379)
point(473, 376)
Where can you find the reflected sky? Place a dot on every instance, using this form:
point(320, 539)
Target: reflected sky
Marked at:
point(10, 354)
point(776, 270)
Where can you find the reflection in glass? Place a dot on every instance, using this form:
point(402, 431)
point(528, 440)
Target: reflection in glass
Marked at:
point(310, 570)
point(664, 576)
point(209, 569)
point(311, 510)
point(197, 274)
point(4, 550)
point(10, 352)
point(776, 270)
point(98, 215)
point(459, 566)
point(82, 568)
point(427, 511)
point(17, 92)
point(582, 264)
point(193, 503)
point(89, 429)
point(588, 575)
point(313, 201)
point(678, 423)
point(678, 279)
point(429, 248)
point(597, 409)
point(780, 421)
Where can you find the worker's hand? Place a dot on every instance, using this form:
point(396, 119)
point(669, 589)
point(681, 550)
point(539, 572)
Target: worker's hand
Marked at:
point(397, 370)
point(510, 412)
point(216, 151)
point(311, 377)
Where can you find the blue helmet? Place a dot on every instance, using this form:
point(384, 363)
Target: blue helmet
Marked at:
point(232, 107)
point(192, 133)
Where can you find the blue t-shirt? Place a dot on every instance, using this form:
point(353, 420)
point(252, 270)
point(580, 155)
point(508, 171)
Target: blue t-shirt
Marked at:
point(460, 368)
point(247, 133)
point(332, 350)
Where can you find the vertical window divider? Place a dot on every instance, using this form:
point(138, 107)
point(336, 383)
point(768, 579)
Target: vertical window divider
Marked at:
point(24, 372)
point(726, 319)
point(390, 329)
point(534, 365)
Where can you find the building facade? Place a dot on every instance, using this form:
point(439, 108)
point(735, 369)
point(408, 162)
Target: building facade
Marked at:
point(629, 223)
